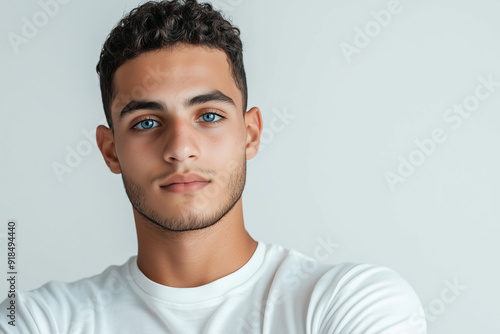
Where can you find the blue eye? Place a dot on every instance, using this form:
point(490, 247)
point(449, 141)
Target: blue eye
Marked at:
point(146, 124)
point(210, 117)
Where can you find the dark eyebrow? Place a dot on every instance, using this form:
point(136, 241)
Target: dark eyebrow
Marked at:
point(215, 96)
point(137, 105)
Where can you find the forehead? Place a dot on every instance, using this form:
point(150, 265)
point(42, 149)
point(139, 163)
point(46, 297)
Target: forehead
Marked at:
point(173, 74)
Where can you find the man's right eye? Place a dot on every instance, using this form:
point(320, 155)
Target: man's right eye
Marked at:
point(146, 124)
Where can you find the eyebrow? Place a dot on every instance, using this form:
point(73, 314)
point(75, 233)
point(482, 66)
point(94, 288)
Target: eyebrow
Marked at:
point(214, 96)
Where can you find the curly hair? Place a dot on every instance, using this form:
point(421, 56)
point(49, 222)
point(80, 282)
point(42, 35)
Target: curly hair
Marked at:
point(155, 25)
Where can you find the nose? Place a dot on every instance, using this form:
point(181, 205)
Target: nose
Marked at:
point(181, 142)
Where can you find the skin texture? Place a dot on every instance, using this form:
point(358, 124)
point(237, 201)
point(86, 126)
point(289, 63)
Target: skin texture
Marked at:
point(184, 239)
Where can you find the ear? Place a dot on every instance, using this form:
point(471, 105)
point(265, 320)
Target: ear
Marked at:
point(106, 142)
point(253, 122)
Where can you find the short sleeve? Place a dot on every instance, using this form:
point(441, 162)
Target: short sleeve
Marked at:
point(367, 299)
point(31, 315)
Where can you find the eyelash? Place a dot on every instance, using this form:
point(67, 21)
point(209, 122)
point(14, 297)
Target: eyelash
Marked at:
point(214, 113)
point(151, 119)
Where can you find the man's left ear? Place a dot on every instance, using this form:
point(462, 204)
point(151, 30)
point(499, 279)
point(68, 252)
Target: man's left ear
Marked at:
point(253, 122)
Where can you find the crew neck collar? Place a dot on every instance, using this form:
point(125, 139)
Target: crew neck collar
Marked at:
point(202, 293)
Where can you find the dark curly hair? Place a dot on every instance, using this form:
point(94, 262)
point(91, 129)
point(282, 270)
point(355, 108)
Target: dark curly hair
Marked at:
point(155, 25)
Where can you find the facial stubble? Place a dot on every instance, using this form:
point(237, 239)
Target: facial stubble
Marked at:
point(199, 215)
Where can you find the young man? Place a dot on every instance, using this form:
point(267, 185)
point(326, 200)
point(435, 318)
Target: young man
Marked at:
point(175, 97)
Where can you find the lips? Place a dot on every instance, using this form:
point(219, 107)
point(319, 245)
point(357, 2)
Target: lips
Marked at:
point(183, 178)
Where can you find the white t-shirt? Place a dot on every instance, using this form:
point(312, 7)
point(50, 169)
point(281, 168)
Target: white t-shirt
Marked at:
point(278, 291)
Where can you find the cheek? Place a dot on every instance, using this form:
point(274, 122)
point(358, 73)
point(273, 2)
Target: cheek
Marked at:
point(134, 157)
point(229, 154)
point(226, 148)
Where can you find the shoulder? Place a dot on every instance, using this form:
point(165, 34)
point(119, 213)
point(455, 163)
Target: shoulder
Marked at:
point(367, 298)
point(349, 297)
point(49, 308)
point(111, 279)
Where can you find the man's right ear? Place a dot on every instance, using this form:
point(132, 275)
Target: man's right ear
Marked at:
point(106, 143)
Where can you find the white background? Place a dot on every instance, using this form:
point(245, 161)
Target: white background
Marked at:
point(322, 175)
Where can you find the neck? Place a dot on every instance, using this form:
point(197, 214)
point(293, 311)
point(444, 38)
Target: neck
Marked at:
point(194, 258)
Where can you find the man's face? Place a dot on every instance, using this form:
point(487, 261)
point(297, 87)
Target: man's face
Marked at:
point(179, 111)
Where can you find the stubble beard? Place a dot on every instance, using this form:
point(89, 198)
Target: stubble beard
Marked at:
point(192, 218)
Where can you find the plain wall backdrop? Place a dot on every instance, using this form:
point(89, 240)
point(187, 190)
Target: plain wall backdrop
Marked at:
point(381, 142)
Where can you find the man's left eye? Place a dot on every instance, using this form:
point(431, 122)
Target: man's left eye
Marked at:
point(211, 117)
point(146, 124)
